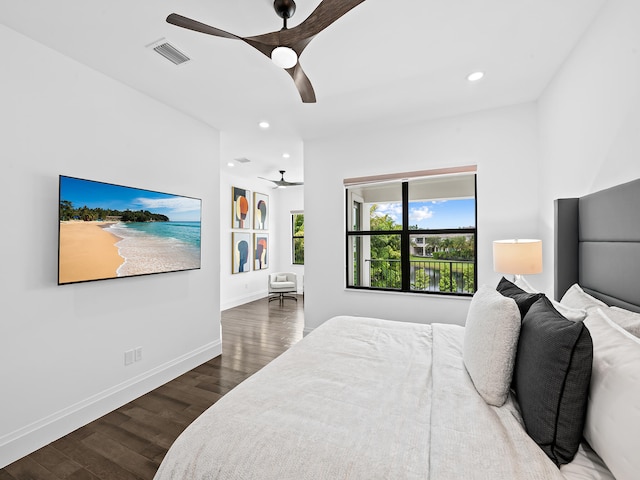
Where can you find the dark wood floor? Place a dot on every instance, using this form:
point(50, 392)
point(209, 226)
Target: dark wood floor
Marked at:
point(130, 442)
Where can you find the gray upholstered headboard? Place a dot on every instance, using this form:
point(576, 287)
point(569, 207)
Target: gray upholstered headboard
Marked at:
point(597, 244)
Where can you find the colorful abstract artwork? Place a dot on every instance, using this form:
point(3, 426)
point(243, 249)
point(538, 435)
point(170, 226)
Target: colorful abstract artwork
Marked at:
point(261, 251)
point(240, 214)
point(260, 211)
point(241, 245)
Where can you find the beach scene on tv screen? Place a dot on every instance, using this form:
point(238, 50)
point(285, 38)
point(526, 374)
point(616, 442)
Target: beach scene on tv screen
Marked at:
point(110, 231)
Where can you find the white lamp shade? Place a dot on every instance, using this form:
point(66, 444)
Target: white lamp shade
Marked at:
point(517, 256)
point(284, 57)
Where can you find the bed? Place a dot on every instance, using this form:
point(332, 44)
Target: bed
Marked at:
point(532, 387)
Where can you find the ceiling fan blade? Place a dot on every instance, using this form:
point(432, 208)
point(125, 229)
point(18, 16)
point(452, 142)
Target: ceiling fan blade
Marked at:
point(282, 182)
point(196, 26)
point(298, 37)
point(277, 183)
point(303, 84)
point(326, 13)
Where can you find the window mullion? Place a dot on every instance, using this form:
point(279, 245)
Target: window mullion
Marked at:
point(405, 264)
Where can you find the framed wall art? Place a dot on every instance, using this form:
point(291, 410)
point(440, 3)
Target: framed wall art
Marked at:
point(241, 251)
point(261, 251)
point(240, 211)
point(260, 211)
point(111, 231)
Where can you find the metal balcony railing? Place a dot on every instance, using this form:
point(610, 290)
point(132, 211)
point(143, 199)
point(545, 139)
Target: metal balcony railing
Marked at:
point(452, 276)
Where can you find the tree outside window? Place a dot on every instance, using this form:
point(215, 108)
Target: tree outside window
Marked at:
point(297, 224)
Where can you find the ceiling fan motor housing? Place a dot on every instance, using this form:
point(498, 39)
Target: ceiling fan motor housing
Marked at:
point(285, 8)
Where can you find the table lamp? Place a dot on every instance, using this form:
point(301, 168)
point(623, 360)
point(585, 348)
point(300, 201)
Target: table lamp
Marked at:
point(517, 256)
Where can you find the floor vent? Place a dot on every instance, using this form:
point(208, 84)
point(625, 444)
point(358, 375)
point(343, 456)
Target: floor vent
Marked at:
point(171, 53)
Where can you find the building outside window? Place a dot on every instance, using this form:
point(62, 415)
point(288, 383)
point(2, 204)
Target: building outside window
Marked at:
point(413, 235)
point(297, 241)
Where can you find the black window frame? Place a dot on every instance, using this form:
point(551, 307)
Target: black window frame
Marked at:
point(405, 243)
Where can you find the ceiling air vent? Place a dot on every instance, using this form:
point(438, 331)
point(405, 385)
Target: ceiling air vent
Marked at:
point(171, 53)
point(242, 160)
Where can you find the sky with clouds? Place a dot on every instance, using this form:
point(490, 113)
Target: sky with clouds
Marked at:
point(433, 214)
point(116, 197)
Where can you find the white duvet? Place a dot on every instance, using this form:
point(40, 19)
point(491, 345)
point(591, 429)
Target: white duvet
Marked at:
point(360, 398)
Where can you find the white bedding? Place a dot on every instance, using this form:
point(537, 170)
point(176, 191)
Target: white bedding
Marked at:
point(586, 465)
point(363, 399)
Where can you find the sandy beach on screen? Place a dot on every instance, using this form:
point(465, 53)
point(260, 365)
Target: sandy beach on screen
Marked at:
point(87, 252)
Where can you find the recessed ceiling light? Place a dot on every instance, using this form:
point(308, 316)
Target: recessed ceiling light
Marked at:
point(264, 124)
point(285, 155)
point(475, 76)
point(230, 164)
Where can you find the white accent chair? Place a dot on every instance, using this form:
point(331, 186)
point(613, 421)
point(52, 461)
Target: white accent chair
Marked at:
point(283, 285)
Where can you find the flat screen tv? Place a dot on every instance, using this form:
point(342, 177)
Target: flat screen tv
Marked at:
point(111, 231)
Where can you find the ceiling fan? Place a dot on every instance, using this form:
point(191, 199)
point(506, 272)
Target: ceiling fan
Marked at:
point(284, 47)
point(282, 182)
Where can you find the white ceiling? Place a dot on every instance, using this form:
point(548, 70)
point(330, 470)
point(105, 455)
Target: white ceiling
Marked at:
point(384, 62)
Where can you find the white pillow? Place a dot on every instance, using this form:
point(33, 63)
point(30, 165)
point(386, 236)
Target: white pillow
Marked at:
point(628, 320)
point(613, 412)
point(575, 297)
point(281, 278)
point(490, 343)
point(573, 314)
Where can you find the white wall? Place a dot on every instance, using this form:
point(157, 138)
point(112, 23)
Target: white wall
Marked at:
point(239, 288)
point(590, 117)
point(501, 142)
point(62, 347)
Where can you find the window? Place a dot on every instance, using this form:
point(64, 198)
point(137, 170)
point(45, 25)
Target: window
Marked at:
point(413, 235)
point(297, 243)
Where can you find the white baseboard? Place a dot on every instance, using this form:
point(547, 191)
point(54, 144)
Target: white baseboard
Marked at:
point(227, 303)
point(30, 438)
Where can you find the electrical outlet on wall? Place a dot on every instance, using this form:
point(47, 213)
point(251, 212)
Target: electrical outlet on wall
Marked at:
point(129, 357)
point(134, 355)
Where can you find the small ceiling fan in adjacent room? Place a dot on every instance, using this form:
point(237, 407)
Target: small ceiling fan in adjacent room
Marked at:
point(285, 46)
point(282, 183)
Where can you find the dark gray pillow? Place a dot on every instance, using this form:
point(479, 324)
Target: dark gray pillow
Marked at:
point(523, 299)
point(551, 379)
